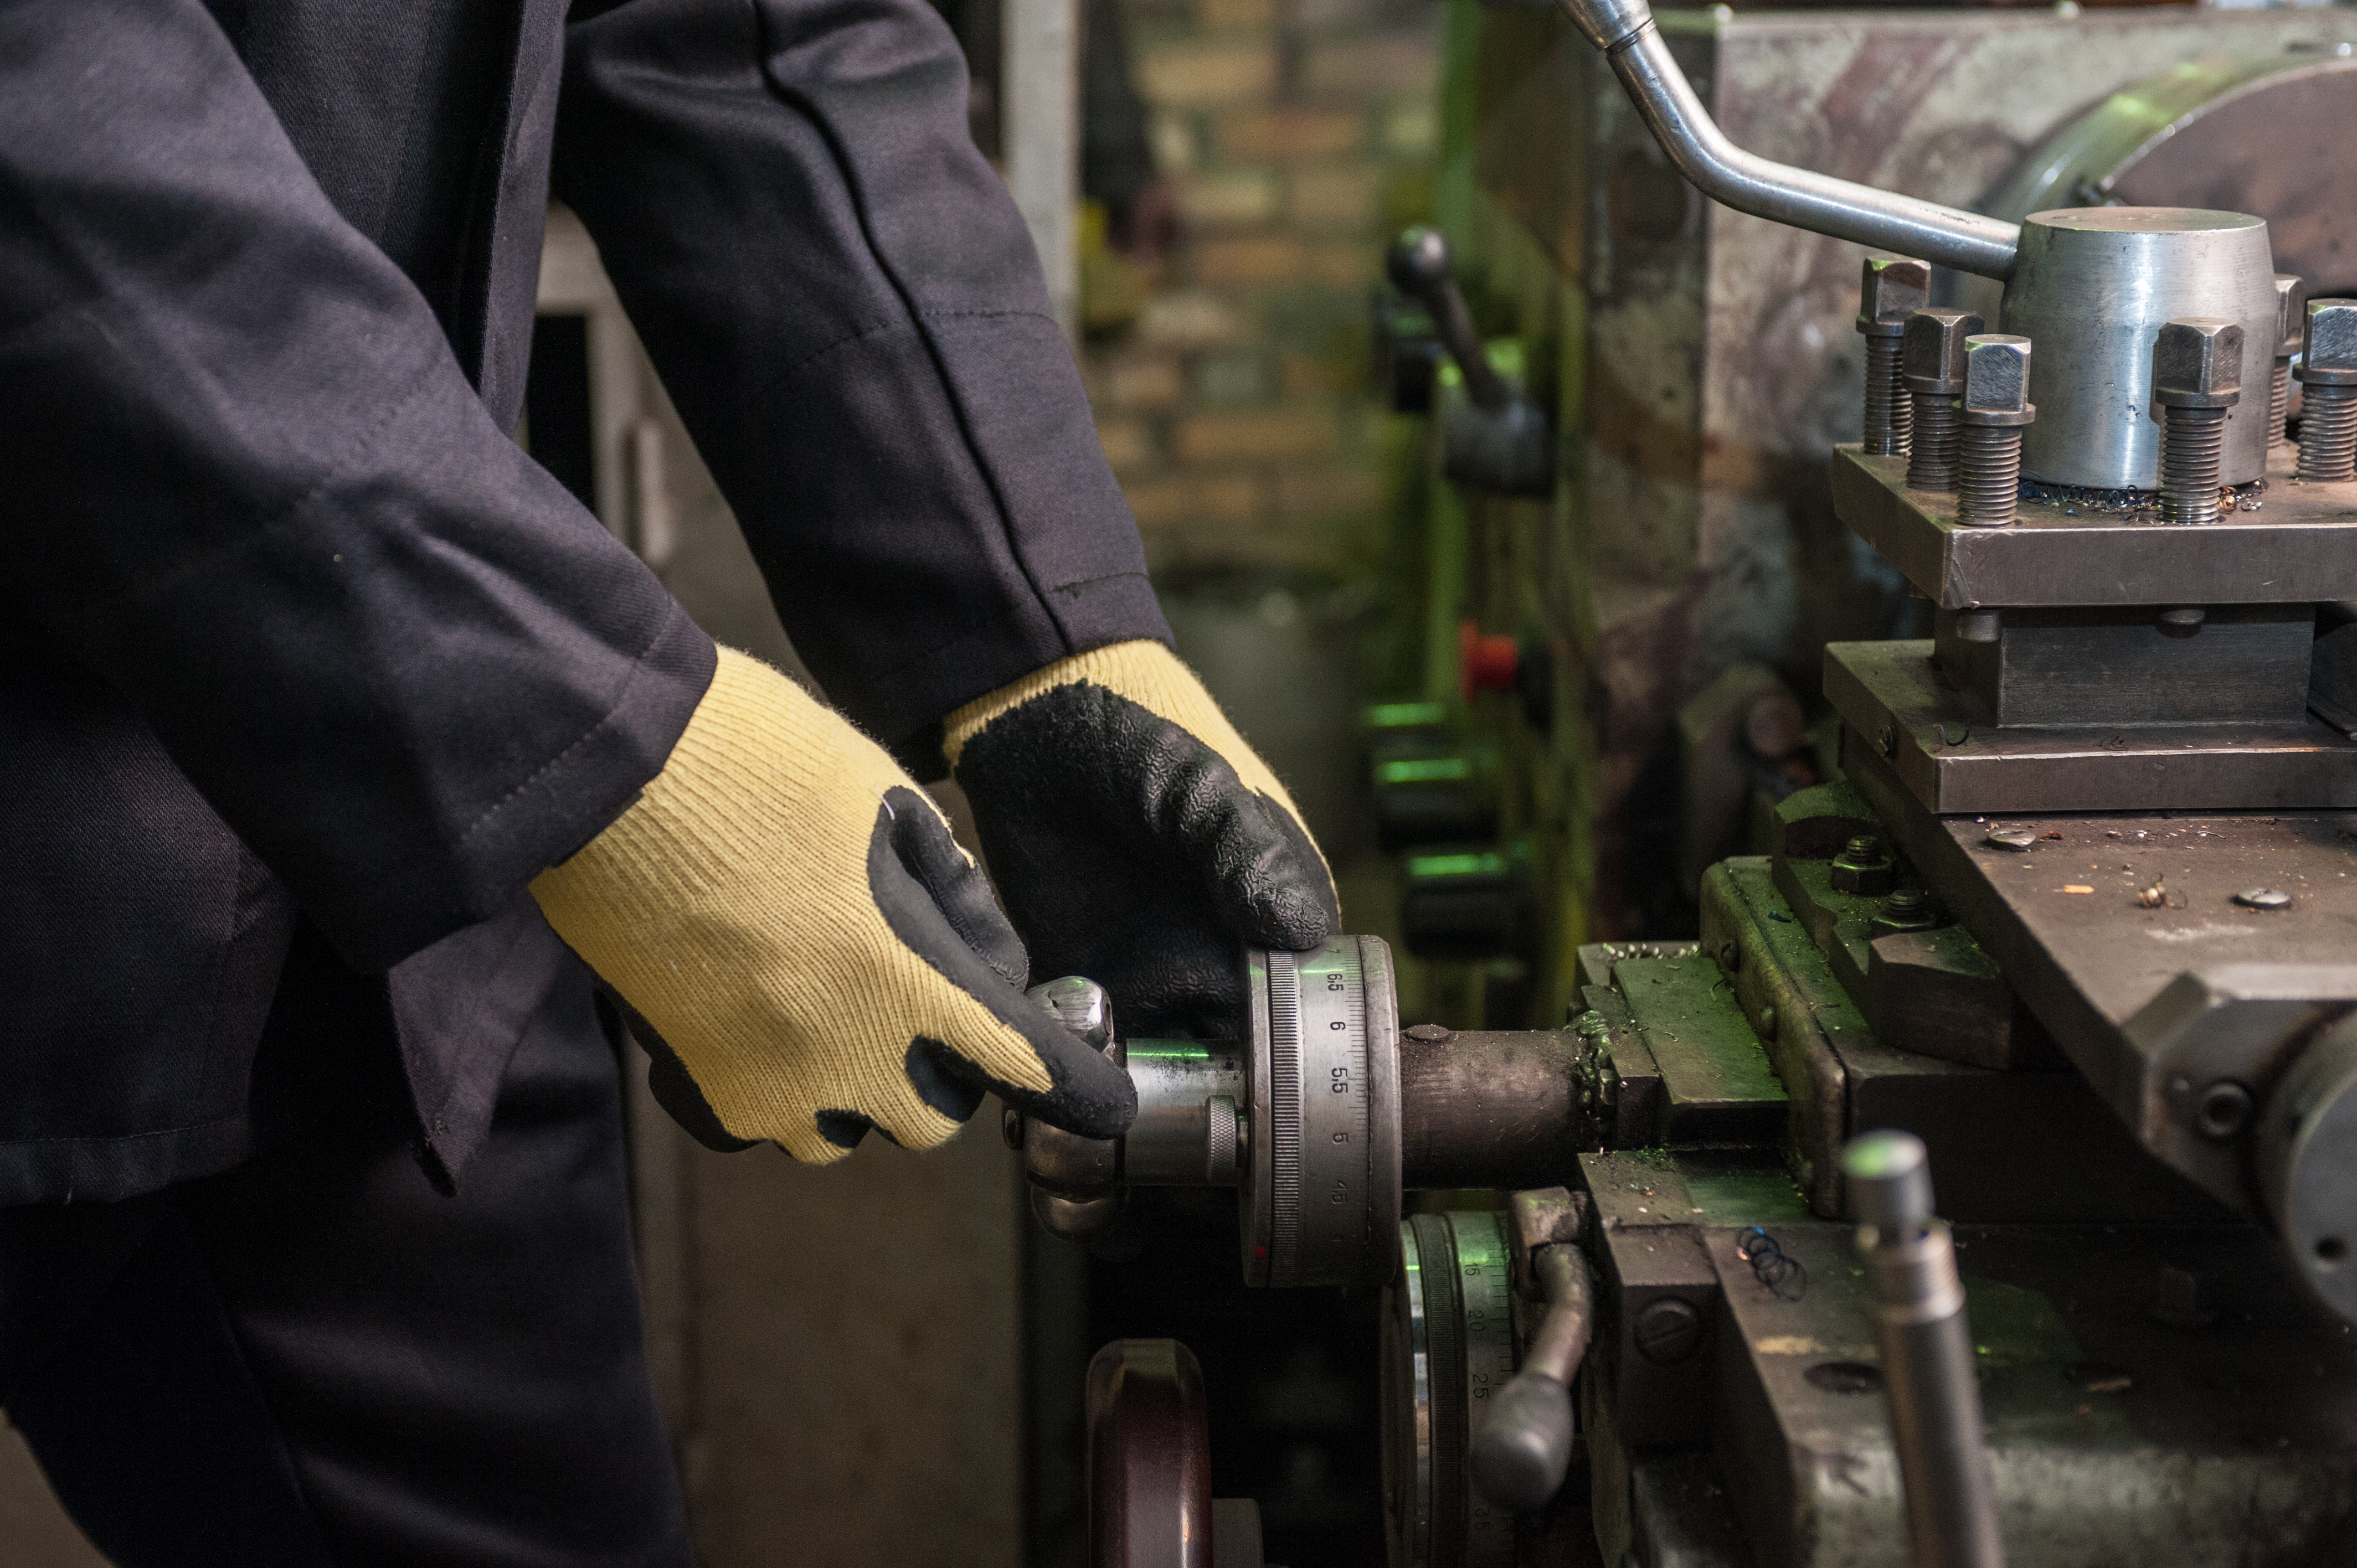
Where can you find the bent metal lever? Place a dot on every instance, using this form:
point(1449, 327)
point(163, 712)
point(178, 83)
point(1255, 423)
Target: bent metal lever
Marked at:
point(1504, 442)
point(1418, 266)
point(1523, 1447)
point(1880, 219)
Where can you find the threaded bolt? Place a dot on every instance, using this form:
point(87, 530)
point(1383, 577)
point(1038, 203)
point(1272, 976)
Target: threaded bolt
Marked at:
point(1934, 444)
point(1996, 410)
point(2291, 308)
point(1890, 412)
point(2327, 378)
point(2327, 433)
point(2197, 376)
point(1932, 356)
point(1989, 479)
point(2192, 454)
point(1893, 288)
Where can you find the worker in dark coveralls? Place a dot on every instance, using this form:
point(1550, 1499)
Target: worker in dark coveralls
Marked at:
point(353, 779)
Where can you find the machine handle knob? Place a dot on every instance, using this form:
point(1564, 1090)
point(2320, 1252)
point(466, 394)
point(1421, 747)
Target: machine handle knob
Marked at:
point(1419, 267)
point(1080, 1005)
point(1523, 1448)
point(1080, 1174)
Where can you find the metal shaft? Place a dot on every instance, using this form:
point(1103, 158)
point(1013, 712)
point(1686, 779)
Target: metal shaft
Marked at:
point(2279, 403)
point(1497, 1110)
point(1936, 1401)
point(2328, 431)
point(1889, 411)
point(1879, 220)
point(1988, 484)
point(1927, 1354)
point(2192, 454)
point(1931, 449)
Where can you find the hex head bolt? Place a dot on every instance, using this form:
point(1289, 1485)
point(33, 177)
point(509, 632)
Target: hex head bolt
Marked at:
point(2328, 379)
point(2197, 376)
point(1997, 410)
point(1893, 289)
point(1931, 351)
point(2291, 309)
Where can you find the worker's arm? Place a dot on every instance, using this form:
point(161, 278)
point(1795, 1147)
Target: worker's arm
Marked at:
point(249, 484)
point(849, 313)
point(844, 303)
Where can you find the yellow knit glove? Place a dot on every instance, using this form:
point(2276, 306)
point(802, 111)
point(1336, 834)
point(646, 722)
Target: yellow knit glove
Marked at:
point(810, 954)
point(1134, 836)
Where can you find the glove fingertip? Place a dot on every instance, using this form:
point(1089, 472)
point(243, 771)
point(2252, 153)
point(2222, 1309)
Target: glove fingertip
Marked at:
point(1289, 919)
point(1289, 904)
point(1089, 1094)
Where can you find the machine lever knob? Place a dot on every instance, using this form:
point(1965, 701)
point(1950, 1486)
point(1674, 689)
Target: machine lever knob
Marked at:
point(1419, 267)
point(1523, 1447)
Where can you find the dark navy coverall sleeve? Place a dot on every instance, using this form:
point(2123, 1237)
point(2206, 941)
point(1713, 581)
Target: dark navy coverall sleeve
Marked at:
point(249, 483)
point(847, 307)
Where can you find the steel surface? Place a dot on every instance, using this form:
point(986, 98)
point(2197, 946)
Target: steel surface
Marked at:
point(1718, 1086)
point(2153, 999)
point(2115, 1437)
point(2094, 287)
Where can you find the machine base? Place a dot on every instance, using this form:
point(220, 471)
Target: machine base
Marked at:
point(1894, 698)
point(2298, 546)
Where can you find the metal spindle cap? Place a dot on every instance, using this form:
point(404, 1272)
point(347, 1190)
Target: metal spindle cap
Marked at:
point(1418, 261)
point(1889, 1181)
point(1078, 1003)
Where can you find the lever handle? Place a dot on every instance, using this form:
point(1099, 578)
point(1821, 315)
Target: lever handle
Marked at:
point(1879, 219)
point(1524, 1445)
point(1419, 267)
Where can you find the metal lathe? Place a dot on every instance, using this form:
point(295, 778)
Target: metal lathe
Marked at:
point(1979, 1184)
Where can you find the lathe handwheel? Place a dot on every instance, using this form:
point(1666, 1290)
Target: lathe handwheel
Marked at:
point(1449, 1345)
point(1322, 1198)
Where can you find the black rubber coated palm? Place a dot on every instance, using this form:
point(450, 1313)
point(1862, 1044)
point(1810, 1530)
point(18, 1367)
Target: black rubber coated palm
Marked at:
point(1129, 851)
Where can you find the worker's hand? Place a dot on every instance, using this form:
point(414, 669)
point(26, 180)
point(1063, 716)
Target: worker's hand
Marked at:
point(809, 952)
point(1134, 836)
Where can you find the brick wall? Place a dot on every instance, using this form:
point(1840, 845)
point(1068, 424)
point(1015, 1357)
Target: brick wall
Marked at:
point(1299, 135)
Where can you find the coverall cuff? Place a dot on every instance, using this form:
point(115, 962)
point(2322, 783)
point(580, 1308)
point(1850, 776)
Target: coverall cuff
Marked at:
point(545, 817)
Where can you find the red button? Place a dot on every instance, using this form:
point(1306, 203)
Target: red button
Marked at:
point(1485, 662)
